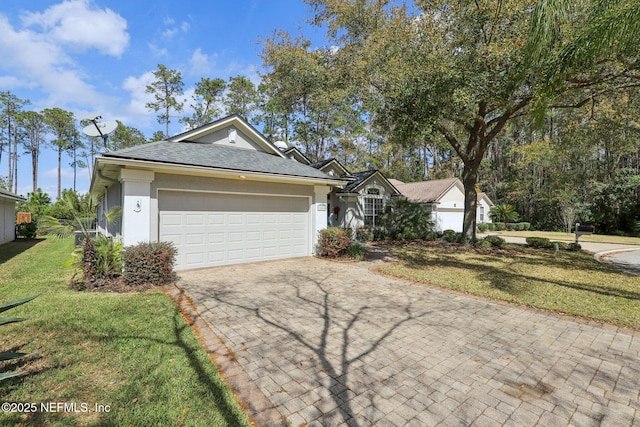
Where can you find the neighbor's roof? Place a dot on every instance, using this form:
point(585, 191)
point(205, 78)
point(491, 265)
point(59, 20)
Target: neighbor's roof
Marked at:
point(9, 195)
point(217, 156)
point(426, 191)
point(395, 182)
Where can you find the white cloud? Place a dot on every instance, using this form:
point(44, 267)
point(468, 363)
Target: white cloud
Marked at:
point(174, 30)
point(137, 87)
point(200, 63)
point(163, 52)
point(77, 24)
point(39, 52)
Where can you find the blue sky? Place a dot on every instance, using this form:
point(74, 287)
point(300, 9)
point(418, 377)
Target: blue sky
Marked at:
point(97, 56)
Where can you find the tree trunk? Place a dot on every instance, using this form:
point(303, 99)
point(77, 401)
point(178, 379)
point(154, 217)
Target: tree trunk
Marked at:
point(34, 169)
point(59, 170)
point(469, 180)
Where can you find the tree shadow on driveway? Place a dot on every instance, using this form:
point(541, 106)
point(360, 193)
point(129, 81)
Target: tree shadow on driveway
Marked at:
point(310, 325)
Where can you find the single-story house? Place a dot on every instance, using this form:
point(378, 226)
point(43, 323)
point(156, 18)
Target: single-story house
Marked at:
point(8, 215)
point(445, 200)
point(222, 193)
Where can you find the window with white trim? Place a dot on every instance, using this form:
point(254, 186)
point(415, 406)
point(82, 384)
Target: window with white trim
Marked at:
point(481, 213)
point(373, 206)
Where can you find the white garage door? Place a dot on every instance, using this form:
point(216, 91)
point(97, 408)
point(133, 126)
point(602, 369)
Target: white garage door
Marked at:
point(211, 229)
point(450, 220)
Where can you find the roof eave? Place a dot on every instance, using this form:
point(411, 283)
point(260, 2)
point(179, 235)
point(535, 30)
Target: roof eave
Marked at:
point(212, 171)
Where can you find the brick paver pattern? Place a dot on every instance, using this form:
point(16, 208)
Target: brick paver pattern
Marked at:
point(333, 344)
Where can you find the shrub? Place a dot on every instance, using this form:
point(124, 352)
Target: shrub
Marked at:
point(333, 242)
point(563, 246)
point(525, 226)
point(574, 247)
point(405, 220)
point(511, 226)
point(495, 241)
point(149, 263)
point(482, 227)
point(491, 226)
point(364, 234)
point(28, 230)
point(430, 236)
point(483, 244)
point(108, 257)
point(539, 242)
point(356, 250)
point(500, 226)
point(449, 236)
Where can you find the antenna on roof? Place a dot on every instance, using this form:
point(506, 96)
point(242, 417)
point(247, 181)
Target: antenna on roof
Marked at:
point(101, 129)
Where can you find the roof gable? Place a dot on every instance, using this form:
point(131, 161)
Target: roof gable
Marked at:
point(332, 167)
point(295, 154)
point(360, 179)
point(231, 131)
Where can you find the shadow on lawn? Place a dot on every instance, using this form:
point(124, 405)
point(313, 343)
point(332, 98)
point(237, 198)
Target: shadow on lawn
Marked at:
point(15, 248)
point(506, 277)
point(140, 386)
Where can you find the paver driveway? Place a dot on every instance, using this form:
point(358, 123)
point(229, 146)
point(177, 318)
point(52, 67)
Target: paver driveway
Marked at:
point(336, 344)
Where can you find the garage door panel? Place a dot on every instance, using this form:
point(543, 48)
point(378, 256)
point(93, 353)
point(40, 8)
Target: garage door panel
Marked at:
point(215, 219)
point(194, 239)
point(218, 229)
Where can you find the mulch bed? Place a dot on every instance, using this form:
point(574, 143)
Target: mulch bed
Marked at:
point(112, 284)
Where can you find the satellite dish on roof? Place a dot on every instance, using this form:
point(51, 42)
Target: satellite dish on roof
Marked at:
point(281, 145)
point(101, 129)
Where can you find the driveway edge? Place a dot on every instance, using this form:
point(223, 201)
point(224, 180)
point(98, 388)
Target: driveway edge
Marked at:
point(260, 410)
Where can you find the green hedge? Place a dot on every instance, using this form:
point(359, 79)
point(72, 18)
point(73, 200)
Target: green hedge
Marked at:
point(539, 242)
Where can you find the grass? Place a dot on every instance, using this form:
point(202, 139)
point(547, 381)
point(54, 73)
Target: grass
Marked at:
point(131, 352)
point(594, 238)
point(565, 282)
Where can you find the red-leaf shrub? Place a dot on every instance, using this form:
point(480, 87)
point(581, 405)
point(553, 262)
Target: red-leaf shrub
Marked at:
point(149, 263)
point(333, 242)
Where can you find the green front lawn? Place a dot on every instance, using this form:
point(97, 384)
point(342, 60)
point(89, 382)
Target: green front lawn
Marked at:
point(565, 282)
point(570, 237)
point(131, 353)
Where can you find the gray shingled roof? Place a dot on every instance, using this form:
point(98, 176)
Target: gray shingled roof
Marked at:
point(217, 156)
point(359, 178)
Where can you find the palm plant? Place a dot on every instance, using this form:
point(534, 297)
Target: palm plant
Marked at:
point(83, 212)
point(10, 355)
point(504, 213)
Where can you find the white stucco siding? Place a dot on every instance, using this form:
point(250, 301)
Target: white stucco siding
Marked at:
point(7, 220)
point(231, 137)
point(452, 199)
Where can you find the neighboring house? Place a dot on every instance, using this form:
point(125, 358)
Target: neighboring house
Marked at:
point(222, 193)
point(361, 201)
point(445, 199)
point(8, 215)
